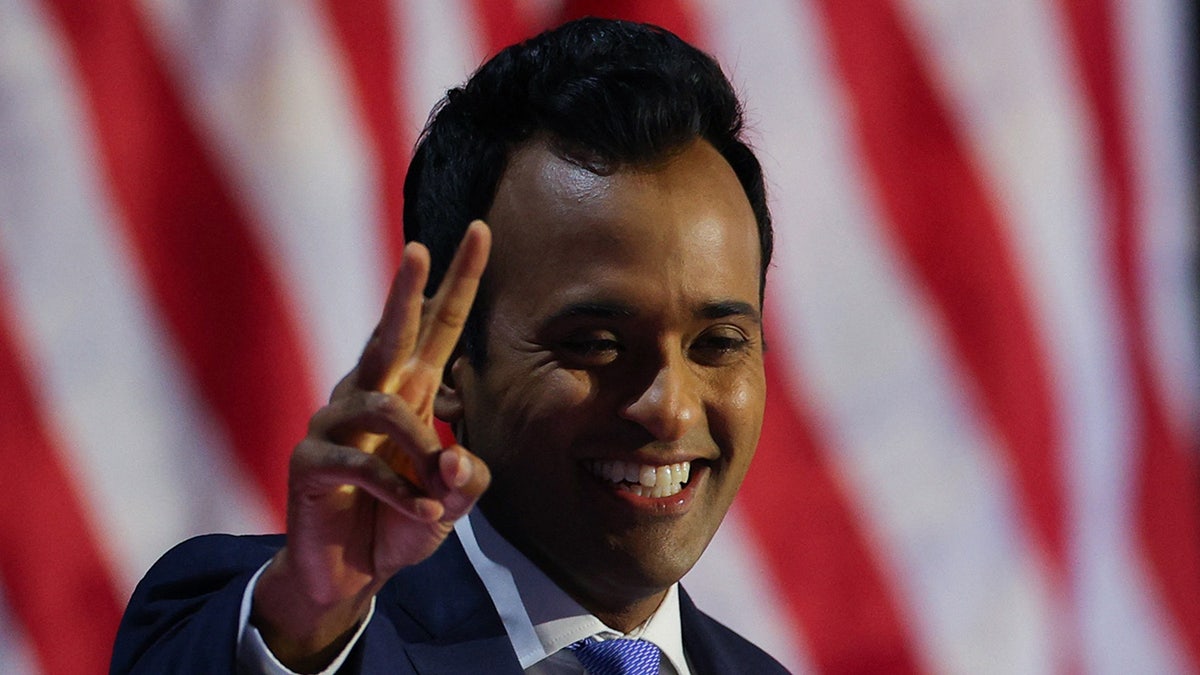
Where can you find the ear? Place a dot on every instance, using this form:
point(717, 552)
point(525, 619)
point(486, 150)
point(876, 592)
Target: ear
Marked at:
point(448, 403)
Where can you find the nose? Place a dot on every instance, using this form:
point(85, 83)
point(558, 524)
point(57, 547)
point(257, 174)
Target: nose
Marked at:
point(670, 406)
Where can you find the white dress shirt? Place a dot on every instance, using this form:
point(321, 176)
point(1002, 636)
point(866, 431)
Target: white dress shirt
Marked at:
point(541, 620)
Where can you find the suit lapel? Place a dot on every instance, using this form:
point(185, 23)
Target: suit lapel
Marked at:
point(702, 646)
point(444, 614)
point(489, 655)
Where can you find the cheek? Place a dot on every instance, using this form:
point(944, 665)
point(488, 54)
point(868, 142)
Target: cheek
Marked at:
point(745, 399)
point(530, 414)
point(736, 413)
point(741, 392)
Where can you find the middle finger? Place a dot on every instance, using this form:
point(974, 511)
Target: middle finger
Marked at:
point(448, 310)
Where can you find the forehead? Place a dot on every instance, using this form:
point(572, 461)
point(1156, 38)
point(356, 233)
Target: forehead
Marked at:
point(683, 223)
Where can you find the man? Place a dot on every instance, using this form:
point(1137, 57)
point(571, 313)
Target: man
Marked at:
point(607, 394)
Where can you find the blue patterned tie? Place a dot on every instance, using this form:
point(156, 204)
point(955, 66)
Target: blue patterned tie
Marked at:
point(617, 657)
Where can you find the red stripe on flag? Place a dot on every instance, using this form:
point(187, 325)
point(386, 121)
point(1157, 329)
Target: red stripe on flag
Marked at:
point(366, 32)
point(196, 253)
point(1168, 496)
point(821, 559)
point(501, 23)
point(944, 220)
point(58, 583)
point(674, 15)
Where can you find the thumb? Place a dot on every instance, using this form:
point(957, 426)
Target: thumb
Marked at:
point(466, 477)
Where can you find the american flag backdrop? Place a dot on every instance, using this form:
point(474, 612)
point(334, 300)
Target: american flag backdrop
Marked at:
point(979, 454)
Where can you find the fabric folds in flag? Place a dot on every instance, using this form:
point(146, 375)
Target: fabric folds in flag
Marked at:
point(980, 449)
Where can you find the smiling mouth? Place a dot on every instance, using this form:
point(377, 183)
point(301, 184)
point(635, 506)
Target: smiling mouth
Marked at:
point(643, 480)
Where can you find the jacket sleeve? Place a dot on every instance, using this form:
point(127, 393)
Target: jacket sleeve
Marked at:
point(183, 616)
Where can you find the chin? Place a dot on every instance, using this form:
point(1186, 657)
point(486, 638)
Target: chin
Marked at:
point(654, 566)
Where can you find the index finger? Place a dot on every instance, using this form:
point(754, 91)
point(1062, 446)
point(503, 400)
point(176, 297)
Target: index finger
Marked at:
point(448, 310)
point(394, 336)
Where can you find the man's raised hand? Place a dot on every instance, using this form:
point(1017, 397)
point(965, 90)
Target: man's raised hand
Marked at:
point(370, 489)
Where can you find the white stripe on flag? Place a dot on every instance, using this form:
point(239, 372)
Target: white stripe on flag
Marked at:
point(438, 49)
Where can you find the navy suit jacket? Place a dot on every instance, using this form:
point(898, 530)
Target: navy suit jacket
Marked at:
point(432, 618)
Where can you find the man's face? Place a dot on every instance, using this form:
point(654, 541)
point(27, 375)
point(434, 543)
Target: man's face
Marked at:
point(624, 347)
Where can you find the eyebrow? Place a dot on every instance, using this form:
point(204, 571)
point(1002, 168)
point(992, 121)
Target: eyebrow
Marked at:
point(593, 310)
point(618, 310)
point(720, 310)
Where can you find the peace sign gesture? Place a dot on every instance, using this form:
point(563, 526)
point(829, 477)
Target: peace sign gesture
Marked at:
point(370, 489)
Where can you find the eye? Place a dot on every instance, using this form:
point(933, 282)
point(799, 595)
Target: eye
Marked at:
point(591, 349)
point(719, 345)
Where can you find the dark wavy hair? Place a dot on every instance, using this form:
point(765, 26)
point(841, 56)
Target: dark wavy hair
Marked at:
point(605, 94)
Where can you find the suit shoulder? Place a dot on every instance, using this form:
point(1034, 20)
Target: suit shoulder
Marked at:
point(208, 560)
point(220, 551)
point(184, 612)
point(720, 647)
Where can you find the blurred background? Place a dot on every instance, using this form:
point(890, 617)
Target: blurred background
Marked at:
point(980, 447)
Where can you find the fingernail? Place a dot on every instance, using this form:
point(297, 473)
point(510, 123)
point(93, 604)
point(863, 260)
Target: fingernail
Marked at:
point(462, 472)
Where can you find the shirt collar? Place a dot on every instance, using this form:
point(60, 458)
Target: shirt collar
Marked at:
point(539, 617)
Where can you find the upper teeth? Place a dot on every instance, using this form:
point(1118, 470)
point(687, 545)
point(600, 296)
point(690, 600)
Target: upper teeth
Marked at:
point(646, 480)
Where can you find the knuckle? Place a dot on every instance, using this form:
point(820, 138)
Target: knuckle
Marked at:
point(306, 456)
point(380, 402)
point(350, 461)
point(320, 421)
point(450, 315)
point(301, 454)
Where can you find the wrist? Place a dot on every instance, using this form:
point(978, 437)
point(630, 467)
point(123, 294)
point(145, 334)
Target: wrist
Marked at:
point(303, 629)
